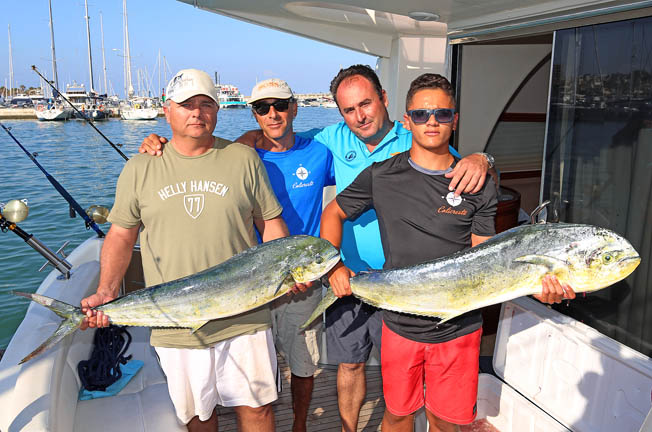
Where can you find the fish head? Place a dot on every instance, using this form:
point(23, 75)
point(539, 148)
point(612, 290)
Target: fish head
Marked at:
point(600, 260)
point(310, 258)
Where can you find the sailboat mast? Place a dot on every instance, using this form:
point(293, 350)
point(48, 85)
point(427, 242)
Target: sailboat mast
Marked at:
point(11, 66)
point(55, 76)
point(128, 84)
point(91, 89)
point(106, 89)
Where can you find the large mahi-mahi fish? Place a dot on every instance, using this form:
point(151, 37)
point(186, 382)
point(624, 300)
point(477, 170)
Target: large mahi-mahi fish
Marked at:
point(509, 265)
point(242, 283)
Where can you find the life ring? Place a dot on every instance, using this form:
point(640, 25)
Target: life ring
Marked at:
point(40, 108)
point(101, 108)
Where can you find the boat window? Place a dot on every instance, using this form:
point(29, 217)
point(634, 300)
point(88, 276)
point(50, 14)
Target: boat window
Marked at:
point(598, 160)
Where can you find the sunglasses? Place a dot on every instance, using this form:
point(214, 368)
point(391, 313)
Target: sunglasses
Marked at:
point(280, 105)
point(442, 115)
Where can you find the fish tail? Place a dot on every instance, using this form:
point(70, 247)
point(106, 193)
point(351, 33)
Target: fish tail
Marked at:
point(328, 299)
point(72, 320)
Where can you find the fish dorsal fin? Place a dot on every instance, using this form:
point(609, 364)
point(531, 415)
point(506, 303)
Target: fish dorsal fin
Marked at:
point(552, 264)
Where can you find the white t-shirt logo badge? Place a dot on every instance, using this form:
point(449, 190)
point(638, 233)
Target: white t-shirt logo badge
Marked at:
point(302, 173)
point(453, 200)
point(194, 204)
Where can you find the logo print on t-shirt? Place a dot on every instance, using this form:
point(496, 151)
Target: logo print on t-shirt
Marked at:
point(453, 199)
point(194, 204)
point(302, 173)
point(350, 155)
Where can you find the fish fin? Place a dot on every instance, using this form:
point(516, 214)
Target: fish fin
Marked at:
point(288, 281)
point(72, 320)
point(325, 303)
point(551, 263)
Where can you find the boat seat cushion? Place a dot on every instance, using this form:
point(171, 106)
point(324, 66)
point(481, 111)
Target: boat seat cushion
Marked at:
point(143, 405)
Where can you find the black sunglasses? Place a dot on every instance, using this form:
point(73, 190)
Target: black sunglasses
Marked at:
point(442, 115)
point(280, 105)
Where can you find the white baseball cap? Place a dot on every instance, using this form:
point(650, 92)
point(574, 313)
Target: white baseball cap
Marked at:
point(188, 83)
point(273, 88)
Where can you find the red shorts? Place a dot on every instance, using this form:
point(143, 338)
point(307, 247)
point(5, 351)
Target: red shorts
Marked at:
point(449, 372)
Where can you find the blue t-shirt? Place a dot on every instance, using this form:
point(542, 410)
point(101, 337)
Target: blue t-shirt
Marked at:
point(361, 246)
point(298, 177)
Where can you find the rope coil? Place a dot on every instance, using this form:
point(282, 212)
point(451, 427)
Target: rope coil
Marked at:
point(103, 367)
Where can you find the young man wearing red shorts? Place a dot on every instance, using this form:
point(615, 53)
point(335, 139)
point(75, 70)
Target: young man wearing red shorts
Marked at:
point(421, 220)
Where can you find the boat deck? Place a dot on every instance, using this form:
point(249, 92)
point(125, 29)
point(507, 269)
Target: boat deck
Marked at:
point(323, 414)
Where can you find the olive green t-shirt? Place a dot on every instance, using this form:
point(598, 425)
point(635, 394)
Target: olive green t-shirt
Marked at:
point(196, 212)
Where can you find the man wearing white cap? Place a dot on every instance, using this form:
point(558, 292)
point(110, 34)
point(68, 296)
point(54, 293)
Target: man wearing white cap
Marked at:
point(195, 207)
point(298, 168)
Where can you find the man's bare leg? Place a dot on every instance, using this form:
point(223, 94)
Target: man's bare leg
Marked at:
point(301, 396)
point(351, 390)
point(255, 419)
point(438, 425)
point(210, 425)
point(394, 423)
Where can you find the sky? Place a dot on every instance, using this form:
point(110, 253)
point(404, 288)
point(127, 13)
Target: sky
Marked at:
point(239, 52)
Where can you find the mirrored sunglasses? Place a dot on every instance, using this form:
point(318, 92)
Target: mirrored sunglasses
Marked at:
point(280, 105)
point(442, 115)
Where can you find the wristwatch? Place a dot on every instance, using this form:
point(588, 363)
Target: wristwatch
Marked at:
point(490, 159)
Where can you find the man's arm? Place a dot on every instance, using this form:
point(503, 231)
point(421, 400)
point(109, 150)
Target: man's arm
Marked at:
point(114, 260)
point(332, 219)
point(271, 229)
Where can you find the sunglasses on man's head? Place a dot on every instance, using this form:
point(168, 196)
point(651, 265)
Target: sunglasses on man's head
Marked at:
point(442, 115)
point(280, 105)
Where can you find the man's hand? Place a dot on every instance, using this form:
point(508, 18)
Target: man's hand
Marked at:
point(338, 278)
point(95, 318)
point(153, 145)
point(300, 288)
point(553, 292)
point(469, 174)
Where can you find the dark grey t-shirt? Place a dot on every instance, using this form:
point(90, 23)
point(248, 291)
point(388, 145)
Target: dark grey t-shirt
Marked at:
point(420, 220)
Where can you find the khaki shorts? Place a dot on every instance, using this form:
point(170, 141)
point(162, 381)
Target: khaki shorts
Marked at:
point(240, 371)
point(298, 347)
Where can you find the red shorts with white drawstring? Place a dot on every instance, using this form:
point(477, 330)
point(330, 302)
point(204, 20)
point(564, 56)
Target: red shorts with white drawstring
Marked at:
point(444, 376)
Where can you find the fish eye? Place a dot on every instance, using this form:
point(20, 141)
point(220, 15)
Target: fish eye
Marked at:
point(607, 258)
point(319, 260)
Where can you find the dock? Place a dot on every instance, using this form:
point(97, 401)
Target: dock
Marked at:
point(28, 113)
point(323, 415)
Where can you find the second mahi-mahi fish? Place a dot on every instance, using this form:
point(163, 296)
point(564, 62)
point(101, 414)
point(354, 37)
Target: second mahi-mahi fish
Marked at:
point(509, 265)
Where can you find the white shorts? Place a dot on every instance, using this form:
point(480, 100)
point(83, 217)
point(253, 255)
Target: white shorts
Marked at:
point(240, 371)
point(298, 347)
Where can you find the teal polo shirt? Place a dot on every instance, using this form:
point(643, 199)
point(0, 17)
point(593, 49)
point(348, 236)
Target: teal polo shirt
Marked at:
point(361, 246)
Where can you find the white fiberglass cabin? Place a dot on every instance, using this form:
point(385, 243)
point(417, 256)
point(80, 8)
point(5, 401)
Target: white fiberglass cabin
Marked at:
point(560, 92)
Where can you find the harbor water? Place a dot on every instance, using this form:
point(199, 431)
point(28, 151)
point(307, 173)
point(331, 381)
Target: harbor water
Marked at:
point(85, 164)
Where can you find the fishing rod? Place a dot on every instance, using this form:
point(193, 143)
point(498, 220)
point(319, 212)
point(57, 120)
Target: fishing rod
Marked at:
point(80, 113)
point(90, 223)
point(59, 263)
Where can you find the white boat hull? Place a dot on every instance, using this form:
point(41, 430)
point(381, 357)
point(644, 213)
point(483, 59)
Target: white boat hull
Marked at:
point(139, 113)
point(42, 394)
point(53, 114)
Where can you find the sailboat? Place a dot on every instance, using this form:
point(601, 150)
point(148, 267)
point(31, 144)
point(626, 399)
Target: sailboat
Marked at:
point(137, 108)
point(52, 109)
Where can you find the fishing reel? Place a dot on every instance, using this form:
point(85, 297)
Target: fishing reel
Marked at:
point(99, 214)
point(14, 211)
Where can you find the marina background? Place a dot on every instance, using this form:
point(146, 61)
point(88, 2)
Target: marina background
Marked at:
point(239, 52)
point(74, 154)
